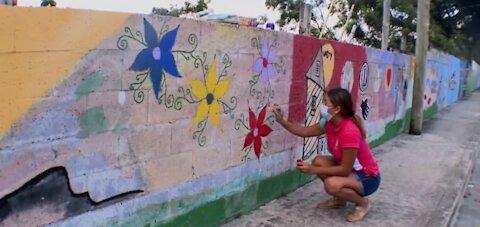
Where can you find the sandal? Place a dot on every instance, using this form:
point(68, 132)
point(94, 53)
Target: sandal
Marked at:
point(359, 213)
point(332, 203)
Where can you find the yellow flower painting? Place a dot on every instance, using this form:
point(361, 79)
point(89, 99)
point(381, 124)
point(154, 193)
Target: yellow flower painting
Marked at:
point(209, 93)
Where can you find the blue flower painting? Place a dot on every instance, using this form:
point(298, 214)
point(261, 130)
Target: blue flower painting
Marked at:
point(157, 57)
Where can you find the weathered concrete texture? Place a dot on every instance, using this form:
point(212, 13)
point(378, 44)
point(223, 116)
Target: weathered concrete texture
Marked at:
point(422, 178)
point(45, 198)
point(240, 188)
point(86, 175)
point(468, 212)
point(91, 101)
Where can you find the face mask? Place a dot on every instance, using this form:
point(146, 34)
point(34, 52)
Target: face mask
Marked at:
point(324, 112)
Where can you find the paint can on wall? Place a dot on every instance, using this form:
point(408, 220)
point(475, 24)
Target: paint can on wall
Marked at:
point(270, 26)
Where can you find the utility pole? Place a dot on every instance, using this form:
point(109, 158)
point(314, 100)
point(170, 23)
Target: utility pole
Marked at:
point(403, 43)
point(386, 23)
point(304, 18)
point(421, 47)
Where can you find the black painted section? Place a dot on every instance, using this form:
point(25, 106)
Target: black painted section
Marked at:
point(51, 189)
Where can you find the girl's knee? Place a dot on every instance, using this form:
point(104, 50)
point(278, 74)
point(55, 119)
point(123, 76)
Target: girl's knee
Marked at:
point(332, 186)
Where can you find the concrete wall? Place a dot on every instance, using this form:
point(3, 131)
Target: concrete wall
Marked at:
point(473, 78)
point(118, 119)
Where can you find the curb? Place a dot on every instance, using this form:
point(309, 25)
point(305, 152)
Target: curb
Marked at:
point(454, 210)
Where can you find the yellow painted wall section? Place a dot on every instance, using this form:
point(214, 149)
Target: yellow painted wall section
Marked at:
point(39, 47)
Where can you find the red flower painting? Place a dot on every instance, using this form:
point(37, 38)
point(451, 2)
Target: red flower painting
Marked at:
point(257, 130)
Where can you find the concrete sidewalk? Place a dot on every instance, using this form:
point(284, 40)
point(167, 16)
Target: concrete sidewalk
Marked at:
point(423, 178)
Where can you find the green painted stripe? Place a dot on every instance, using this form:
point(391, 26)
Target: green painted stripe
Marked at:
point(392, 129)
point(226, 208)
point(221, 210)
point(428, 113)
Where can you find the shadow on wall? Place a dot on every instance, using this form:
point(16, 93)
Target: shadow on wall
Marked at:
point(48, 191)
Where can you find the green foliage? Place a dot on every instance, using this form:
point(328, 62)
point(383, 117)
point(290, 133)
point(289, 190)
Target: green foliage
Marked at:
point(289, 9)
point(454, 27)
point(50, 3)
point(367, 15)
point(451, 25)
point(187, 7)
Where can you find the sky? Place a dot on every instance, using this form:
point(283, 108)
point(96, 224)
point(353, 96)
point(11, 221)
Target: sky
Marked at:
point(247, 8)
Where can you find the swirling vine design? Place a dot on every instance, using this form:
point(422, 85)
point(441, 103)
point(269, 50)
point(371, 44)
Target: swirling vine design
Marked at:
point(198, 134)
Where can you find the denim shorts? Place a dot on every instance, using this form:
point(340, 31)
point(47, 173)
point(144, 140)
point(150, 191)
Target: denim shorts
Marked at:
point(370, 184)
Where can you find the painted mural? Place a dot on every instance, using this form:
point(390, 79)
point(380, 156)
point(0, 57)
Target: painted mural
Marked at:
point(472, 81)
point(446, 78)
point(149, 110)
point(385, 90)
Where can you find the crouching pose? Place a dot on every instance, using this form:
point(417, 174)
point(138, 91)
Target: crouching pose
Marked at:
point(351, 173)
